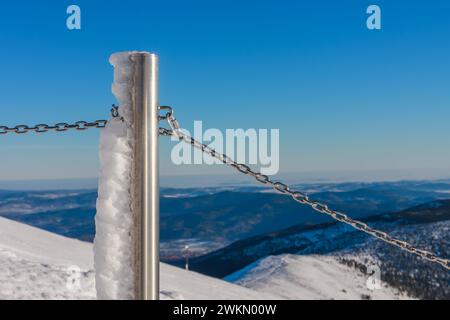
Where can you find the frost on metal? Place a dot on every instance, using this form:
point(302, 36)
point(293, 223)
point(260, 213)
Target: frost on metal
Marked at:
point(113, 244)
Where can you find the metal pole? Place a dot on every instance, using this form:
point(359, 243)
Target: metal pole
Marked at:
point(186, 266)
point(146, 175)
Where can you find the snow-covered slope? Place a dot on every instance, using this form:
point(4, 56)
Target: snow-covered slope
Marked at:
point(309, 277)
point(179, 284)
point(35, 264)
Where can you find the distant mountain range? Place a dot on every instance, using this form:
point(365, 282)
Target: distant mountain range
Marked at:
point(66, 212)
point(234, 215)
point(221, 214)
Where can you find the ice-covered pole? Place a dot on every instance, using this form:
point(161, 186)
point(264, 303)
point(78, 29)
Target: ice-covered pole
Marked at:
point(126, 246)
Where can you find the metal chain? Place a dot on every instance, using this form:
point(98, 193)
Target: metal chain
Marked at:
point(59, 127)
point(297, 196)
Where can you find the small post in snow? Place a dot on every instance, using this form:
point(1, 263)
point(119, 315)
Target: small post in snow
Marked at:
point(145, 174)
point(186, 254)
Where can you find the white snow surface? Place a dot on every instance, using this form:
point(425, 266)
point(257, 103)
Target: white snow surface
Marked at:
point(36, 264)
point(113, 250)
point(310, 278)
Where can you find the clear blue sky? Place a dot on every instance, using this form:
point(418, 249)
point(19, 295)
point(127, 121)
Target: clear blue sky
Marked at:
point(344, 98)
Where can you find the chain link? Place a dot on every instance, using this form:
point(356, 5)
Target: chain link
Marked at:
point(59, 127)
point(280, 187)
point(297, 196)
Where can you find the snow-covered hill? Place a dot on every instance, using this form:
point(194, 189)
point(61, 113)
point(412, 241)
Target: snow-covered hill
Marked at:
point(309, 277)
point(425, 226)
point(35, 264)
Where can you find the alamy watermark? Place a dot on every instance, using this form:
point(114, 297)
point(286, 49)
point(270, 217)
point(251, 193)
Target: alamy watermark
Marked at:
point(374, 280)
point(73, 21)
point(373, 22)
point(73, 280)
point(252, 147)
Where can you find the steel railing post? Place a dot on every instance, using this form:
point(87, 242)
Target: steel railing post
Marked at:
point(146, 174)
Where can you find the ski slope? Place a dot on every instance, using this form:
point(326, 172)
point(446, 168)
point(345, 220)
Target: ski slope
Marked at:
point(35, 264)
